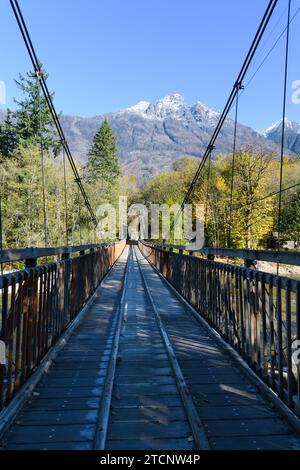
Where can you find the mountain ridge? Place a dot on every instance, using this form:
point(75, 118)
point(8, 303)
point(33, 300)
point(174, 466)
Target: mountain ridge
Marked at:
point(291, 134)
point(150, 136)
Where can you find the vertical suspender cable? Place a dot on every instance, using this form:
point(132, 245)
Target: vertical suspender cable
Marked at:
point(33, 57)
point(207, 196)
point(283, 125)
point(79, 217)
point(38, 75)
point(238, 88)
point(209, 201)
point(65, 196)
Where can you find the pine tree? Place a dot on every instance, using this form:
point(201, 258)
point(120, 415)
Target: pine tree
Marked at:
point(102, 158)
point(33, 114)
point(8, 136)
point(22, 210)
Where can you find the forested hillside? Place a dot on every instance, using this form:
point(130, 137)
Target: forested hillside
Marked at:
point(41, 202)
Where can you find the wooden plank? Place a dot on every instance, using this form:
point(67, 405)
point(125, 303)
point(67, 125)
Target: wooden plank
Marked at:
point(147, 389)
point(57, 417)
point(281, 442)
point(74, 381)
point(51, 446)
point(69, 392)
point(56, 433)
point(141, 431)
point(162, 414)
point(128, 401)
point(236, 412)
point(74, 403)
point(150, 443)
point(242, 427)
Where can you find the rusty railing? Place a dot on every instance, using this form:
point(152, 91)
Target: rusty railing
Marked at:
point(40, 301)
point(255, 312)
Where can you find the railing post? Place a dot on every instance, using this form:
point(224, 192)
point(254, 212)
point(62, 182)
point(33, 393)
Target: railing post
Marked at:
point(30, 263)
point(250, 263)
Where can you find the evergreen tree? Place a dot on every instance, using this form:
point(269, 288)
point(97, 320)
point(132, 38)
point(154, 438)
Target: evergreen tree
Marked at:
point(22, 210)
point(8, 136)
point(102, 158)
point(33, 114)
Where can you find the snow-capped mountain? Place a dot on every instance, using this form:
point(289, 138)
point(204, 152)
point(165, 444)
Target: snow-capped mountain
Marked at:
point(138, 108)
point(174, 107)
point(291, 134)
point(203, 115)
point(151, 136)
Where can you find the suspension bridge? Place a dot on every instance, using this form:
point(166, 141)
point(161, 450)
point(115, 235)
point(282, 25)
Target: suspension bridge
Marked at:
point(136, 345)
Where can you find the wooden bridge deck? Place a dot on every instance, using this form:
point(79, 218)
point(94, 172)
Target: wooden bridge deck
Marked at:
point(74, 406)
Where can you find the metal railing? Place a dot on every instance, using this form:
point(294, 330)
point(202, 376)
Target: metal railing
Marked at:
point(255, 312)
point(40, 301)
point(248, 255)
point(31, 255)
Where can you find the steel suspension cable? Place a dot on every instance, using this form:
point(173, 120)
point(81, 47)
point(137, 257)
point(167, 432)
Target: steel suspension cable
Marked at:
point(38, 77)
point(210, 202)
point(33, 57)
point(267, 196)
point(232, 96)
point(271, 50)
point(79, 217)
point(65, 196)
point(208, 185)
point(283, 124)
point(239, 87)
point(268, 37)
point(253, 48)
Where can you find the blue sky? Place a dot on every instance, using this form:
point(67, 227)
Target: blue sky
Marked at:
point(104, 55)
